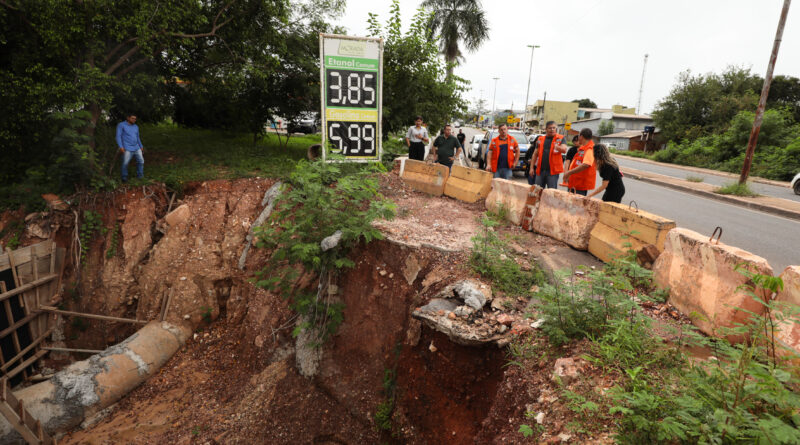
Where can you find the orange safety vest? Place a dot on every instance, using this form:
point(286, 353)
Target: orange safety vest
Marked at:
point(556, 161)
point(513, 147)
point(585, 179)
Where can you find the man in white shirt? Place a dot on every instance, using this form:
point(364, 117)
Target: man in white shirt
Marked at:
point(416, 138)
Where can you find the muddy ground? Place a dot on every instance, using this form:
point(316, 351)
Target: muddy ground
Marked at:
point(236, 380)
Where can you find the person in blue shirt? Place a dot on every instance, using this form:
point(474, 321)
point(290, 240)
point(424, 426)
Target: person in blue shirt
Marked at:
point(130, 145)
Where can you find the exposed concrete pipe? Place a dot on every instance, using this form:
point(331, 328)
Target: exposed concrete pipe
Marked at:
point(86, 387)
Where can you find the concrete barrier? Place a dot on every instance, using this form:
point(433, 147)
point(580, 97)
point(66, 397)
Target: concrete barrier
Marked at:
point(702, 281)
point(531, 207)
point(468, 184)
point(88, 386)
point(427, 178)
point(619, 225)
point(511, 196)
point(788, 335)
point(566, 217)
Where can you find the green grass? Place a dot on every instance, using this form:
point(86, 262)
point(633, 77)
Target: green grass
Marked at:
point(737, 190)
point(631, 153)
point(175, 155)
point(693, 178)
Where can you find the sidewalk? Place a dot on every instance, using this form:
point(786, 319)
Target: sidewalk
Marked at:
point(707, 171)
point(776, 206)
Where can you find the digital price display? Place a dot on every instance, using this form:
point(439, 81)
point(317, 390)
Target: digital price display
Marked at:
point(351, 72)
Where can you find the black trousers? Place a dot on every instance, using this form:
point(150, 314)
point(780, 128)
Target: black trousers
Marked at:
point(416, 151)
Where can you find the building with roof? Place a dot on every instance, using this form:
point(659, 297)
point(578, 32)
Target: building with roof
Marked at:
point(633, 140)
point(543, 111)
point(622, 118)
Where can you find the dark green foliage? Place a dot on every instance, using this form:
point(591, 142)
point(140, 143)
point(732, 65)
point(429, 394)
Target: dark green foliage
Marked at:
point(114, 243)
point(605, 127)
point(318, 200)
point(415, 80)
point(457, 24)
point(736, 189)
point(91, 224)
point(586, 103)
point(492, 259)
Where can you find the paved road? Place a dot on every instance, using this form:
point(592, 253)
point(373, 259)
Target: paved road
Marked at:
point(675, 172)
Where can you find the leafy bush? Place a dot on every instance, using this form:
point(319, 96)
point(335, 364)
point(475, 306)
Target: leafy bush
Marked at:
point(736, 189)
point(318, 200)
point(577, 308)
point(744, 396)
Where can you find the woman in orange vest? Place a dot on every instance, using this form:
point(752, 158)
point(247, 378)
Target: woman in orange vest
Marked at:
point(547, 157)
point(581, 174)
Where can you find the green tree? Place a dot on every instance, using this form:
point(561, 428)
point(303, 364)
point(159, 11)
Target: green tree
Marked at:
point(57, 57)
point(457, 22)
point(605, 127)
point(414, 81)
point(784, 92)
point(704, 104)
point(585, 103)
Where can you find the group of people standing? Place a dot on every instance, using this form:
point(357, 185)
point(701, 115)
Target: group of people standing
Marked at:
point(548, 157)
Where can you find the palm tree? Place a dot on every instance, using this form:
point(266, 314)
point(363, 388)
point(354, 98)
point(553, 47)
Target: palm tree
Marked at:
point(457, 21)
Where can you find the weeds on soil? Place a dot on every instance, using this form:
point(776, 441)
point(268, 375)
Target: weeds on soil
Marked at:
point(91, 224)
point(737, 189)
point(693, 178)
point(492, 259)
point(319, 200)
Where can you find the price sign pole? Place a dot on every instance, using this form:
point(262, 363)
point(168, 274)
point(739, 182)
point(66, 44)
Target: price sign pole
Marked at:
point(351, 83)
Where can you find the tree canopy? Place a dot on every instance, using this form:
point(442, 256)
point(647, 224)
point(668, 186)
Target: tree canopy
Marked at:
point(415, 80)
point(700, 105)
point(585, 103)
point(456, 24)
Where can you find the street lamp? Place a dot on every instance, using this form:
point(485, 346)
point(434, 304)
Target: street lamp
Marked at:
point(530, 71)
point(494, 95)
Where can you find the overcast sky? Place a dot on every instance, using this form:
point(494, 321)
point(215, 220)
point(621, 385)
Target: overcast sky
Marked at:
point(595, 48)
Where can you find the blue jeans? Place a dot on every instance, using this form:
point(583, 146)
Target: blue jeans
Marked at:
point(546, 180)
point(126, 159)
point(503, 173)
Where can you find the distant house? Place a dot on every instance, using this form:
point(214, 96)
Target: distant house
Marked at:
point(538, 114)
point(623, 118)
point(633, 140)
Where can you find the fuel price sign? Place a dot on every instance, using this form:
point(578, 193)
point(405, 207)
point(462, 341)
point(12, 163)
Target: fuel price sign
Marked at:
point(351, 70)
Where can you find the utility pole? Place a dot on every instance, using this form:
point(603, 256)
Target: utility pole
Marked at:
point(527, 93)
point(544, 103)
point(494, 95)
point(641, 86)
point(762, 102)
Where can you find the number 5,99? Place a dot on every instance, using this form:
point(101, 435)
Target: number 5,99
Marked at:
point(352, 138)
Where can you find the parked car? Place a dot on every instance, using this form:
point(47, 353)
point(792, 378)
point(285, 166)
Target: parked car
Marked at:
point(796, 184)
point(307, 123)
point(522, 140)
point(475, 147)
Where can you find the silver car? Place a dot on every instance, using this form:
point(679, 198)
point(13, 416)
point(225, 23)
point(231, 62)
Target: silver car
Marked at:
point(796, 184)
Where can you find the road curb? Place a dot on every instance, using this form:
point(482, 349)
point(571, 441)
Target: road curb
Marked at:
point(716, 196)
point(707, 171)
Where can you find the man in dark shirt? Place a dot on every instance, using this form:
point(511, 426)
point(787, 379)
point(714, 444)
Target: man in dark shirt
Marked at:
point(528, 155)
point(446, 147)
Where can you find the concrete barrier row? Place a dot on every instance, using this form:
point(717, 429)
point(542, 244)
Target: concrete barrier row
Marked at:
point(700, 274)
point(424, 177)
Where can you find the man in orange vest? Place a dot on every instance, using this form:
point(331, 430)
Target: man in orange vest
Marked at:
point(502, 154)
point(582, 172)
point(546, 160)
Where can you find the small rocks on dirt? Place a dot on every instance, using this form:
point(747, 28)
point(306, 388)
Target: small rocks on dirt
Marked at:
point(432, 347)
point(565, 370)
point(540, 418)
point(505, 319)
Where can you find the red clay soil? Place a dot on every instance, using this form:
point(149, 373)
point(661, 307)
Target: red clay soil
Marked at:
point(445, 390)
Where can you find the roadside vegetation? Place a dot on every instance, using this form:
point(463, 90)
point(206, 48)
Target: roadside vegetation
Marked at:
point(661, 394)
point(706, 121)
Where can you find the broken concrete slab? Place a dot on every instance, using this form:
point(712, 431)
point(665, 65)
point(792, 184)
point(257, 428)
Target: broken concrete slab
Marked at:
point(426, 178)
point(510, 196)
point(437, 316)
point(468, 184)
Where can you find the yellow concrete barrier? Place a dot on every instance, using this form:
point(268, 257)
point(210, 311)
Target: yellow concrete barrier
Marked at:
point(468, 184)
point(619, 225)
point(510, 196)
point(702, 281)
point(427, 178)
point(566, 217)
